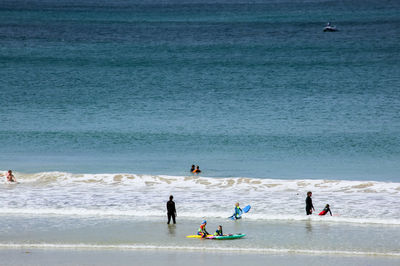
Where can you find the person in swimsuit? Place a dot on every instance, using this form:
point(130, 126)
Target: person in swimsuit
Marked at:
point(326, 210)
point(10, 177)
point(309, 205)
point(193, 168)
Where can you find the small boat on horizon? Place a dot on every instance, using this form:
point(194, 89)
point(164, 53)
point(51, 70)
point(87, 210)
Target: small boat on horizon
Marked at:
point(330, 28)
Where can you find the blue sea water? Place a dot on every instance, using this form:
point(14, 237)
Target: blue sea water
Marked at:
point(106, 104)
point(241, 88)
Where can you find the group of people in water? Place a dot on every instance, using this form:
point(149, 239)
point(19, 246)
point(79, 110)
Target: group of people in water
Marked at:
point(202, 231)
point(310, 206)
point(195, 169)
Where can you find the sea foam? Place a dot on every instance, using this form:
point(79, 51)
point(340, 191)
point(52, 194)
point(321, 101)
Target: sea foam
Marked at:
point(144, 196)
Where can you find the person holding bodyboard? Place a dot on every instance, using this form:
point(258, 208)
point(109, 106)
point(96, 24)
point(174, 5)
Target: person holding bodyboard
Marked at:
point(238, 211)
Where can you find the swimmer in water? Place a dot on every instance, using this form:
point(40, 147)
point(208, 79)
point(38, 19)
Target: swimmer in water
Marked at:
point(10, 177)
point(326, 210)
point(197, 170)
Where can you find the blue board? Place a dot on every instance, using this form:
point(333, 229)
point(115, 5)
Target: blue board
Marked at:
point(246, 209)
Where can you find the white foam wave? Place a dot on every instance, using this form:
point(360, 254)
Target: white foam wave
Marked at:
point(144, 196)
point(211, 183)
point(192, 215)
point(195, 248)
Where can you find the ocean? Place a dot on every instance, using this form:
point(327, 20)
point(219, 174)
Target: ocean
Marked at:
point(107, 104)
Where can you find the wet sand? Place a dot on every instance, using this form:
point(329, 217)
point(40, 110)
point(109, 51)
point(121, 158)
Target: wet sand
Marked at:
point(12, 257)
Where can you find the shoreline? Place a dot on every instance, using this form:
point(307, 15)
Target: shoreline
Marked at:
point(183, 249)
point(170, 258)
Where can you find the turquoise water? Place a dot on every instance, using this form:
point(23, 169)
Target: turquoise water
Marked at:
point(242, 89)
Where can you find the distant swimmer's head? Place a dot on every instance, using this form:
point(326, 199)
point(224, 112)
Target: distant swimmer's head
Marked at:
point(204, 222)
point(171, 197)
point(309, 193)
point(219, 227)
point(327, 206)
point(237, 204)
point(197, 167)
point(9, 171)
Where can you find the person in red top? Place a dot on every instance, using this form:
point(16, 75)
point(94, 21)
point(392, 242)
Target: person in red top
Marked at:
point(326, 210)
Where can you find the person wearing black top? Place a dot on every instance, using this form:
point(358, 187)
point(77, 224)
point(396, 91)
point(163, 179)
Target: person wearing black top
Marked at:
point(326, 210)
point(171, 211)
point(309, 205)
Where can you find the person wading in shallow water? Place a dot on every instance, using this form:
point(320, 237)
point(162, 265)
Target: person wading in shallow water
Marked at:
point(171, 211)
point(309, 205)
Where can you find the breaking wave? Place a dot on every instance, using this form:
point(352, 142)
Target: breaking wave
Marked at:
point(144, 196)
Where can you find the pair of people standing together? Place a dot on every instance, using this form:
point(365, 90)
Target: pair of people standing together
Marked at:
point(310, 206)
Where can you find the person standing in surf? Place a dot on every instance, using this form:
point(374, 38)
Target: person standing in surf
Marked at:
point(309, 205)
point(238, 212)
point(171, 211)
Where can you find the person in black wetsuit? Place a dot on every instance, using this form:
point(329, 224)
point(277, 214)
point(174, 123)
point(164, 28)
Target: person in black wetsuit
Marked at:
point(309, 205)
point(171, 211)
point(326, 210)
point(193, 168)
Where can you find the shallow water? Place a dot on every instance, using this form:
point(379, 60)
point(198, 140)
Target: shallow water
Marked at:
point(262, 237)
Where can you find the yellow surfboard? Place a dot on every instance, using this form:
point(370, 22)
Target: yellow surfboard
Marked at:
point(197, 236)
